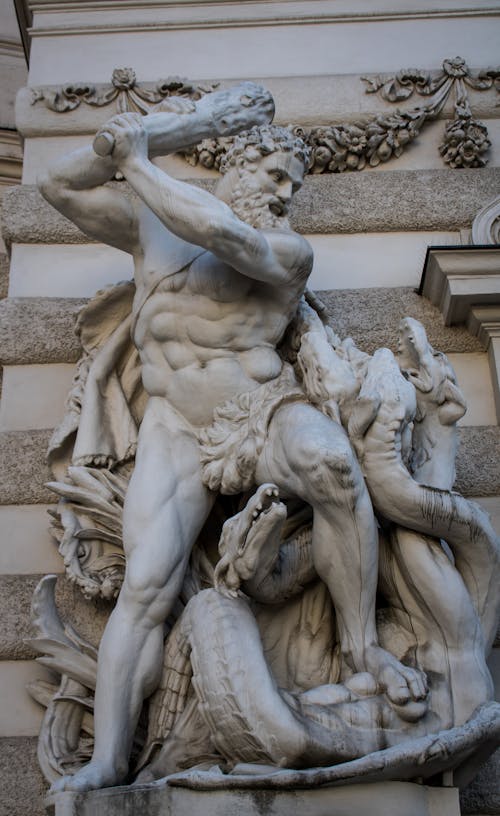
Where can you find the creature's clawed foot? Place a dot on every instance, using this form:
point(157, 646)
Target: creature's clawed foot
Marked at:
point(402, 685)
point(93, 776)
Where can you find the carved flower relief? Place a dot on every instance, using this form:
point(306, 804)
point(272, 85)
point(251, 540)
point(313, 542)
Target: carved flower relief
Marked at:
point(465, 142)
point(455, 68)
point(123, 78)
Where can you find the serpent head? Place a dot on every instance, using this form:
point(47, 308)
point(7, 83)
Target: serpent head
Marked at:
point(415, 354)
point(250, 540)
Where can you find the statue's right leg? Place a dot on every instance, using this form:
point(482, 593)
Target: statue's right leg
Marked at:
point(165, 508)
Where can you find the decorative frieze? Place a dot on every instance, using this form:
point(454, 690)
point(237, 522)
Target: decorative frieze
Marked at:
point(336, 147)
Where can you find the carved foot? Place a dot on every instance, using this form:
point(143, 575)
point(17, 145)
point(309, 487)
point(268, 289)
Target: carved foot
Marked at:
point(402, 684)
point(93, 776)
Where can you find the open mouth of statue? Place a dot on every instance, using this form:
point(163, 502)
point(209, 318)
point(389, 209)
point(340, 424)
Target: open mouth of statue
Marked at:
point(278, 208)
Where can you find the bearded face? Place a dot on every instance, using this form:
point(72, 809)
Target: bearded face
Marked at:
point(262, 190)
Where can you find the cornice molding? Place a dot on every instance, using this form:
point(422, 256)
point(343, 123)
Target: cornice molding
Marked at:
point(464, 283)
point(66, 17)
point(11, 48)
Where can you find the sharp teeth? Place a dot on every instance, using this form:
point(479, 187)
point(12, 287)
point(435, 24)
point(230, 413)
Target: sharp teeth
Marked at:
point(275, 492)
point(259, 506)
point(255, 514)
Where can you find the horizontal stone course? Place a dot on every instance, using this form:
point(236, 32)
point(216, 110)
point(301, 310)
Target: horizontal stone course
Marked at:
point(39, 330)
point(372, 316)
point(478, 473)
point(16, 592)
point(4, 275)
point(482, 796)
point(23, 786)
point(341, 203)
point(24, 470)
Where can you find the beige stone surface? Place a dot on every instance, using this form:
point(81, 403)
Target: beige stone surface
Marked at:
point(324, 43)
point(371, 317)
point(23, 786)
point(16, 594)
point(26, 544)
point(442, 200)
point(33, 396)
point(20, 716)
point(24, 469)
point(4, 275)
point(38, 330)
point(61, 270)
point(478, 473)
point(482, 796)
point(474, 378)
point(371, 259)
point(363, 260)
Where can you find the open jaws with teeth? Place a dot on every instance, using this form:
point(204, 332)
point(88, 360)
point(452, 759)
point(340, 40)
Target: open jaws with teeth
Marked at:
point(266, 496)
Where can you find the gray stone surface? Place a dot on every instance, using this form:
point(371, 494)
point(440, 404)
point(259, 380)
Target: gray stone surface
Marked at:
point(478, 472)
point(339, 203)
point(16, 591)
point(22, 787)
point(482, 796)
point(38, 330)
point(41, 330)
point(24, 470)
point(371, 317)
point(4, 275)
point(382, 799)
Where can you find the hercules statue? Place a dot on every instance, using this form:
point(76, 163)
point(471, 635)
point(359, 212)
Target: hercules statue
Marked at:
point(218, 280)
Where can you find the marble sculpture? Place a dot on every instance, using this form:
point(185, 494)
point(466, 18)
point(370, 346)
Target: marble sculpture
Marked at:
point(348, 609)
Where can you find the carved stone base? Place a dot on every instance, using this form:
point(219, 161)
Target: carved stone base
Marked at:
point(160, 799)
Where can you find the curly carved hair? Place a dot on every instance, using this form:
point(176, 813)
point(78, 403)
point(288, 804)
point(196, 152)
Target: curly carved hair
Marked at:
point(262, 141)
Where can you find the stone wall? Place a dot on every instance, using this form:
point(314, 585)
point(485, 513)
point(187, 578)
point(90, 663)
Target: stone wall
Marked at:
point(369, 230)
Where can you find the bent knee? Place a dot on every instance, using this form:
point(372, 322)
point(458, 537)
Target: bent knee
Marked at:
point(328, 465)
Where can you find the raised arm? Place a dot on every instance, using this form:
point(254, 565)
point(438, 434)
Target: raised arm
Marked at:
point(199, 217)
point(74, 186)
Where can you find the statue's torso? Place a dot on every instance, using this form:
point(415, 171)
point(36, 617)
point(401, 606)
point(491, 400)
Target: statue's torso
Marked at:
point(205, 333)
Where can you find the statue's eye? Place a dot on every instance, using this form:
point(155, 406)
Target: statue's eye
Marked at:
point(277, 176)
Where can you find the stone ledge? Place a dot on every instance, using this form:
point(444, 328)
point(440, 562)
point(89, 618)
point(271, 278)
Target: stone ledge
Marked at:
point(24, 471)
point(309, 100)
point(16, 592)
point(39, 330)
point(370, 316)
point(4, 275)
point(23, 785)
point(482, 796)
point(343, 203)
point(478, 456)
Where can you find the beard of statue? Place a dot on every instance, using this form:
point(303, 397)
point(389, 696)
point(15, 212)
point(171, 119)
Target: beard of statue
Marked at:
point(252, 205)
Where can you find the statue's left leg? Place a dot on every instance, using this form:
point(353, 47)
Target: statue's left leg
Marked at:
point(309, 456)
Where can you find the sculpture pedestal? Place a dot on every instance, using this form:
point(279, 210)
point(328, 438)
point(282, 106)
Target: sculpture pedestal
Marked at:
point(161, 799)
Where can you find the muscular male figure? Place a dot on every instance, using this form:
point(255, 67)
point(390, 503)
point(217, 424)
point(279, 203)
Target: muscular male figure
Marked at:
point(205, 334)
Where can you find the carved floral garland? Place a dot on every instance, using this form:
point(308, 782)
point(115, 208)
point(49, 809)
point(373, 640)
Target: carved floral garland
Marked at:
point(335, 148)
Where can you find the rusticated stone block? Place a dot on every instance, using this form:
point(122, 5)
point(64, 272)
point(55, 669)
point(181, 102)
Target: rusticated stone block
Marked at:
point(371, 317)
point(334, 203)
point(24, 470)
point(39, 330)
point(478, 456)
point(482, 796)
point(4, 275)
point(16, 592)
point(23, 786)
